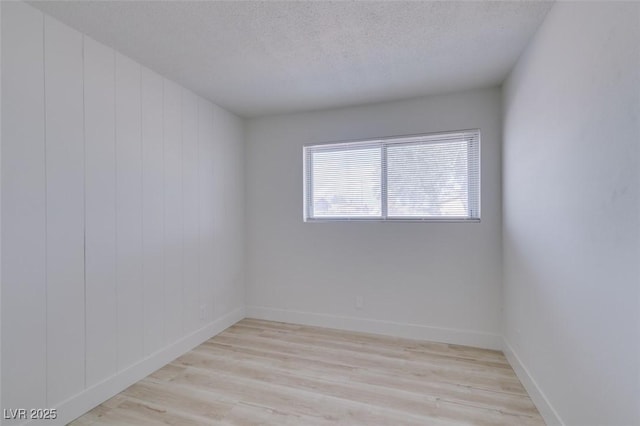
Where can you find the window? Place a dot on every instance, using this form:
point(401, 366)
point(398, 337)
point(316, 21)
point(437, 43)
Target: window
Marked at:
point(408, 178)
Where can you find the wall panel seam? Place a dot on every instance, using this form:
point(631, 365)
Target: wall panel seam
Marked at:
point(115, 209)
point(46, 224)
point(84, 206)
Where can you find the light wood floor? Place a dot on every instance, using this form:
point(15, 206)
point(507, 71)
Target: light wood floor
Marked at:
point(268, 373)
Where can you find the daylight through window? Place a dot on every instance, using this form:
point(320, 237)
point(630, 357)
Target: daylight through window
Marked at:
point(421, 177)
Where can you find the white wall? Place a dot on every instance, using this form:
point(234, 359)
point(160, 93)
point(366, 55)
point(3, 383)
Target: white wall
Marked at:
point(572, 216)
point(122, 227)
point(438, 281)
point(0, 204)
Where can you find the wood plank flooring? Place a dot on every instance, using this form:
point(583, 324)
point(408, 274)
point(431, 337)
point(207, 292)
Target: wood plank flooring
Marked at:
point(268, 373)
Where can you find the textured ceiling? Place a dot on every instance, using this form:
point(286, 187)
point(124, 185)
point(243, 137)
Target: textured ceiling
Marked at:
point(258, 58)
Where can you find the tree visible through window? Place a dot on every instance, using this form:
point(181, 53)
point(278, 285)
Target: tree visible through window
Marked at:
point(419, 177)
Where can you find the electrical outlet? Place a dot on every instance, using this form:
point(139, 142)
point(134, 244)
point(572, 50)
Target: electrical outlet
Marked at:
point(359, 302)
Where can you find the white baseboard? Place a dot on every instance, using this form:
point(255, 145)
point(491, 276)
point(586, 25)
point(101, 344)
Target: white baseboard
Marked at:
point(411, 331)
point(549, 414)
point(95, 395)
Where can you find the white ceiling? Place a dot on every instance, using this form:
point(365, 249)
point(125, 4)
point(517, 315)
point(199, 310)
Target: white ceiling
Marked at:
point(258, 58)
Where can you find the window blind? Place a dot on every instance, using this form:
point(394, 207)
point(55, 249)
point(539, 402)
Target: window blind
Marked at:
point(422, 177)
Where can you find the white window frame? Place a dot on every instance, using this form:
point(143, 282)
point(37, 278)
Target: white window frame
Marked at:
point(473, 139)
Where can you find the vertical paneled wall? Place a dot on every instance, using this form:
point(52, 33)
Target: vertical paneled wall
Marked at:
point(190, 212)
point(173, 285)
point(24, 213)
point(0, 198)
point(120, 197)
point(206, 241)
point(100, 214)
point(151, 97)
point(129, 286)
point(64, 168)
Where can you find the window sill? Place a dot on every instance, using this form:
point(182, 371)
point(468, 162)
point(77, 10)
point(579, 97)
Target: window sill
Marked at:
point(392, 220)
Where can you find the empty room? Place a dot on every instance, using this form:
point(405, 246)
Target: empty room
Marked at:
point(320, 213)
